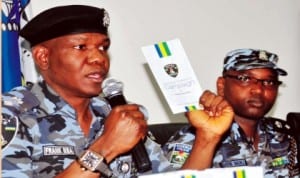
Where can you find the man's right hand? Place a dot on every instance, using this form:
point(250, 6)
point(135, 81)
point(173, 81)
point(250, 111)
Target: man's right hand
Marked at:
point(210, 123)
point(215, 118)
point(124, 127)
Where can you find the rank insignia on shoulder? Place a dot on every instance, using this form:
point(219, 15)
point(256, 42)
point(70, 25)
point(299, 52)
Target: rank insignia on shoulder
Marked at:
point(279, 125)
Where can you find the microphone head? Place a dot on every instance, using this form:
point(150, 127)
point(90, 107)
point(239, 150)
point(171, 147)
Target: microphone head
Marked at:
point(111, 86)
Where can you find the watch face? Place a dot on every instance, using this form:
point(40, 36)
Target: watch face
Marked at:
point(91, 160)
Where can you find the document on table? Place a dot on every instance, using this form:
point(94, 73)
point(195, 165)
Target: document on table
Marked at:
point(174, 74)
point(233, 172)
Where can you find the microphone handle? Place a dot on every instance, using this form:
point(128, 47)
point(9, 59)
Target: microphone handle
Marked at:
point(116, 100)
point(139, 152)
point(140, 157)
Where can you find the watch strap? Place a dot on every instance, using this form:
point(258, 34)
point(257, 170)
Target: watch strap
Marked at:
point(104, 169)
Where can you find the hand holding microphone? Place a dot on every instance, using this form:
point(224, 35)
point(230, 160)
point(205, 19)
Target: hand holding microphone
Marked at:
point(113, 92)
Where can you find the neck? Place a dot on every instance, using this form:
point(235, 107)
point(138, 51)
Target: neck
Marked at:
point(249, 126)
point(250, 129)
point(83, 113)
point(79, 104)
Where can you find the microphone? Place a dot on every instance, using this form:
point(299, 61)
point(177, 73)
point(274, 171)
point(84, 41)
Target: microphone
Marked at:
point(113, 93)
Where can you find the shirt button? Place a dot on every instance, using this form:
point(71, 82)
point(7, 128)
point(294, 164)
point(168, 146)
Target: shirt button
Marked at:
point(124, 167)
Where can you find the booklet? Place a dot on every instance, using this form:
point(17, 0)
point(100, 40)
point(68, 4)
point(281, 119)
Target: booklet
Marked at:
point(174, 74)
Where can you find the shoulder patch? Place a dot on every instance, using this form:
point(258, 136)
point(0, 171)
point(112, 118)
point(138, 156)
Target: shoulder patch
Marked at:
point(9, 128)
point(180, 153)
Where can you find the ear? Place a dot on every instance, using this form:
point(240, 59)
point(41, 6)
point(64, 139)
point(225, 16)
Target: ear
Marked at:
point(40, 55)
point(220, 86)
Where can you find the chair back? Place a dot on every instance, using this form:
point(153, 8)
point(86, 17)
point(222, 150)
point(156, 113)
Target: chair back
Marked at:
point(162, 132)
point(293, 119)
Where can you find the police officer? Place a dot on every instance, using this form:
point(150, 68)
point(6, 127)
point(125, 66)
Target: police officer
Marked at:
point(232, 129)
point(59, 126)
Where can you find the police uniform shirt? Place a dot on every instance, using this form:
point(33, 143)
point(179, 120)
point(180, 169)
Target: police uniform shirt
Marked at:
point(41, 136)
point(235, 150)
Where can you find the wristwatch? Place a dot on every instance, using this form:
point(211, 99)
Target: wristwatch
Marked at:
point(93, 161)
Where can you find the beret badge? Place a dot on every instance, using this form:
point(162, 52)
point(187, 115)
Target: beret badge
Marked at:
point(106, 19)
point(263, 56)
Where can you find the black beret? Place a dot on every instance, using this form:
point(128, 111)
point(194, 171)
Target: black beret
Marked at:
point(65, 20)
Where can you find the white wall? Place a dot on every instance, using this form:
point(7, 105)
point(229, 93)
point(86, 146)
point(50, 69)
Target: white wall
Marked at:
point(208, 29)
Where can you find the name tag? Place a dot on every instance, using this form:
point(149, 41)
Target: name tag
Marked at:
point(234, 163)
point(55, 150)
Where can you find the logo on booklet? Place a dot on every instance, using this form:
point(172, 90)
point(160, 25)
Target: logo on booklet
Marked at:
point(180, 153)
point(171, 70)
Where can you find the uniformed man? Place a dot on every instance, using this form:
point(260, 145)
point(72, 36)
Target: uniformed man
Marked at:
point(232, 129)
point(59, 127)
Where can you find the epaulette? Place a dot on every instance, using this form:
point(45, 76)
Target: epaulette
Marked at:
point(279, 125)
point(293, 119)
point(20, 100)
